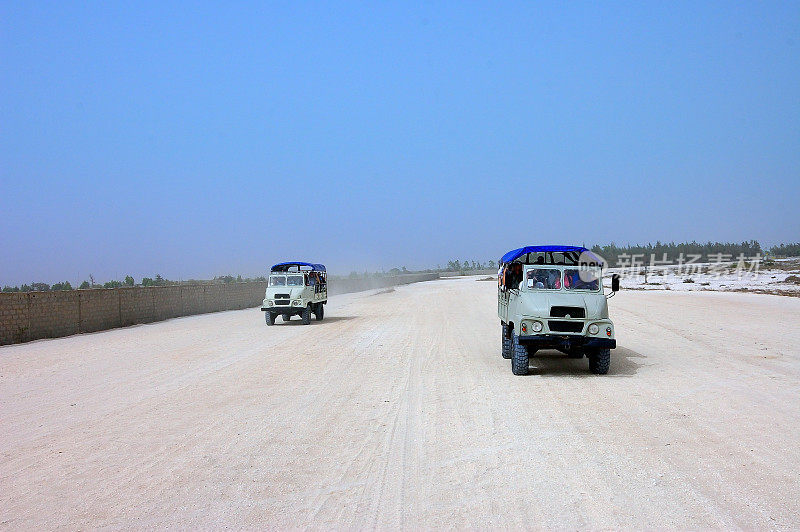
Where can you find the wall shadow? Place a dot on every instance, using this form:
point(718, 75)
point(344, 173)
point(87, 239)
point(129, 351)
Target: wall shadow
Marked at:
point(547, 362)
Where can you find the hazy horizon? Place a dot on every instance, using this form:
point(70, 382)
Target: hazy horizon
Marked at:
point(195, 142)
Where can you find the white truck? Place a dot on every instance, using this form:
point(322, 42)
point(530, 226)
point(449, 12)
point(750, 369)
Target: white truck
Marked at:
point(551, 297)
point(296, 289)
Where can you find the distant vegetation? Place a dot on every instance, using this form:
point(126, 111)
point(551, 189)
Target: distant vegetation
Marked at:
point(452, 266)
point(610, 252)
point(129, 281)
point(785, 250)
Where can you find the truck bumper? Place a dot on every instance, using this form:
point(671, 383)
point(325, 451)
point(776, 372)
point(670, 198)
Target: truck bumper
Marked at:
point(563, 341)
point(288, 309)
point(283, 309)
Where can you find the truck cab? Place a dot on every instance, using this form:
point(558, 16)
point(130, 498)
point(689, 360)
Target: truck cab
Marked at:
point(295, 289)
point(552, 297)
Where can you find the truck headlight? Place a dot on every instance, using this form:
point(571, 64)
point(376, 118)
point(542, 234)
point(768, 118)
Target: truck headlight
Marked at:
point(594, 329)
point(297, 303)
point(536, 326)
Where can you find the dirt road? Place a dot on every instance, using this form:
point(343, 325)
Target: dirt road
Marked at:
point(398, 410)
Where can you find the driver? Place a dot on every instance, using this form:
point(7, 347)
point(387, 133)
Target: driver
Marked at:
point(554, 280)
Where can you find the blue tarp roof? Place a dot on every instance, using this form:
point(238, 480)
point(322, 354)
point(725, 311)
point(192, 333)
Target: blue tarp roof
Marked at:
point(516, 253)
point(284, 266)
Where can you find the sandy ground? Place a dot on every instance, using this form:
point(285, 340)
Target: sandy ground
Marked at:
point(398, 411)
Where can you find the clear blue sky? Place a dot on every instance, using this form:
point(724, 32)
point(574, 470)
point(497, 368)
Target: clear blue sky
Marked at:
point(194, 140)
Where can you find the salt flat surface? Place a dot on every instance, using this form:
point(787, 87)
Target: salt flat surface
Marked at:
point(398, 411)
point(784, 279)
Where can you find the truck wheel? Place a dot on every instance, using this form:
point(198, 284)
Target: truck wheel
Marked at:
point(519, 356)
point(307, 314)
point(286, 317)
point(320, 313)
point(506, 345)
point(600, 361)
point(270, 318)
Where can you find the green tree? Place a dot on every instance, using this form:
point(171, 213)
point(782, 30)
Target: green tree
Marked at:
point(129, 281)
point(147, 281)
point(62, 286)
point(84, 285)
point(786, 250)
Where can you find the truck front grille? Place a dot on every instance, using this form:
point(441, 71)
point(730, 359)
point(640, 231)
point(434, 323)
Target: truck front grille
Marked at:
point(565, 326)
point(561, 312)
point(281, 296)
point(281, 301)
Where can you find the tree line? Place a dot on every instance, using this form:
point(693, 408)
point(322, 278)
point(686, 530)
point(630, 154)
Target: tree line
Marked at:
point(610, 252)
point(785, 250)
point(129, 281)
point(707, 250)
point(452, 266)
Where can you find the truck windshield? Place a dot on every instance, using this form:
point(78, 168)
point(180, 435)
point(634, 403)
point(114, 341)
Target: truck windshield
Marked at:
point(544, 279)
point(277, 280)
point(295, 280)
point(582, 279)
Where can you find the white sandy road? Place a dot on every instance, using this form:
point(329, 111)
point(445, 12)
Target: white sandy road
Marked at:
point(398, 410)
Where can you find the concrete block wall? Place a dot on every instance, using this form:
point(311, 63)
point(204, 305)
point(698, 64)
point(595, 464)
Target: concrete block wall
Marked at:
point(98, 310)
point(52, 314)
point(33, 315)
point(136, 306)
point(192, 300)
point(15, 322)
point(167, 302)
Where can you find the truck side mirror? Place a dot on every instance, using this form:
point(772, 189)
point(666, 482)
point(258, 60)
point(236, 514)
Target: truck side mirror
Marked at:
point(615, 283)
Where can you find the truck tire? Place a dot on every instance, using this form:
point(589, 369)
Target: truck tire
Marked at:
point(600, 361)
point(307, 314)
point(506, 345)
point(519, 356)
point(286, 317)
point(320, 312)
point(269, 317)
